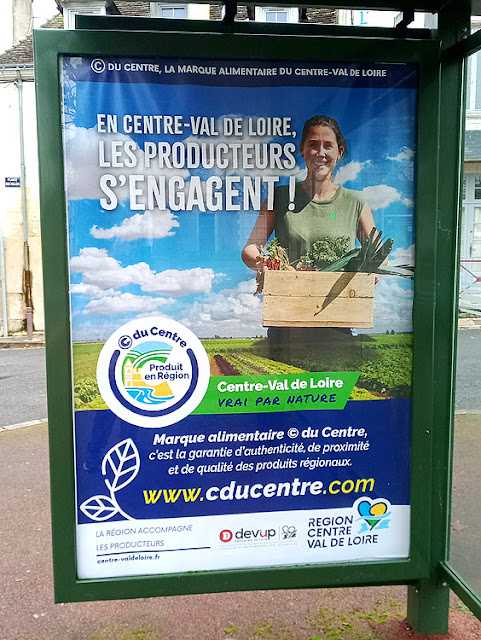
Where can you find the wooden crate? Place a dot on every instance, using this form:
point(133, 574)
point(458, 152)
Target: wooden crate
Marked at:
point(318, 299)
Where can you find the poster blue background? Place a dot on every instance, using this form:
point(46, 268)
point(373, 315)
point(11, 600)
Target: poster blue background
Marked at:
point(388, 424)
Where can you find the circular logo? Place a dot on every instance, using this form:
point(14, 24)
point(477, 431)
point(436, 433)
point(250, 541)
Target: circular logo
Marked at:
point(153, 372)
point(226, 535)
point(97, 65)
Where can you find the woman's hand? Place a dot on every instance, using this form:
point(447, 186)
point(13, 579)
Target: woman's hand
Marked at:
point(263, 228)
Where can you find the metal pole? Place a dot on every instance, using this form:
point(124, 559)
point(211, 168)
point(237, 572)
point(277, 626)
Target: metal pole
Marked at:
point(23, 186)
point(428, 599)
point(3, 277)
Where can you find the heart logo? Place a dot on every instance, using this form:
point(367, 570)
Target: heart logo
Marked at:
point(372, 511)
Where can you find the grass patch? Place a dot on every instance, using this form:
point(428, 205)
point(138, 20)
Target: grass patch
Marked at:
point(86, 391)
point(231, 628)
point(114, 632)
point(85, 358)
point(264, 630)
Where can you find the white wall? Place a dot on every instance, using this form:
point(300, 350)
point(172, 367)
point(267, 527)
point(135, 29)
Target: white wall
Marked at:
point(42, 11)
point(6, 25)
point(11, 203)
point(198, 11)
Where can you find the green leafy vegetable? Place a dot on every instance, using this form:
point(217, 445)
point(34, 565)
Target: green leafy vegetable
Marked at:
point(323, 252)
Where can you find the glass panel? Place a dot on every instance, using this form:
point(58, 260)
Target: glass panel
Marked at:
point(174, 12)
point(465, 518)
point(476, 238)
point(276, 16)
point(477, 187)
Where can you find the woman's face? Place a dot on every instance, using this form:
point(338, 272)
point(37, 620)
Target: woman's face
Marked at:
point(321, 152)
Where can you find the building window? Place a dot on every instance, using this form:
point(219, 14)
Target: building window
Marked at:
point(76, 8)
point(473, 80)
point(471, 220)
point(277, 14)
point(161, 10)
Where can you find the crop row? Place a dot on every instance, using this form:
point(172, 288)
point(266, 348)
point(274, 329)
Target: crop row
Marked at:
point(243, 368)
point(268, 366)
point(250, 364)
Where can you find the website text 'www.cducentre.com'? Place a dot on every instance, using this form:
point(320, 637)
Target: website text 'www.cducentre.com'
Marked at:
point(235, 491)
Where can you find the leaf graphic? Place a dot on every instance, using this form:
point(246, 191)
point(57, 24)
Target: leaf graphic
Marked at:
point(120, 465)
point(99, 508)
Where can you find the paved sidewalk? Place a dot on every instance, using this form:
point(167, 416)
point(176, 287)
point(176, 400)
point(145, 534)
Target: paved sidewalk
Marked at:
point(28, 612)
point(469, 323)
point(20, 340)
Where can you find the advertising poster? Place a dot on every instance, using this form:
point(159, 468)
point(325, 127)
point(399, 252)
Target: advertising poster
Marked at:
point(241, 255)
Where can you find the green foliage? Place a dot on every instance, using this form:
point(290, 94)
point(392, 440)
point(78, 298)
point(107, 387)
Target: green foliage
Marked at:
point(362, 394)
point(96, 403)
point(385, 363)
point(264, 630)
point(389, 371)
point(221, 346)
point(324, 252)
point(251, 364)
point(86, 390)
point(85, 358)
point(231, 628)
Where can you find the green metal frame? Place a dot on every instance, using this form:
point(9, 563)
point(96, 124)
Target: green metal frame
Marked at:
point(456, 53)
point(432, 371)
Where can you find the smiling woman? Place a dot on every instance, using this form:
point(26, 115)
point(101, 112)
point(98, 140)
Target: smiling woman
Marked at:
point(320, 208)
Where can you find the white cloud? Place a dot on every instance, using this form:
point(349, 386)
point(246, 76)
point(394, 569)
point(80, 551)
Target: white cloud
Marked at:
point(91, 330)
point(90, 290)
point(349, 172)
point(380, 196)
point(392, 306)
point(180, 283)
point(405, 154)
point(231, 312)
point(151, 224)
point(124, 302)
point(402, 256)
point(82, 163)
point(101, 270)
point(408, 202)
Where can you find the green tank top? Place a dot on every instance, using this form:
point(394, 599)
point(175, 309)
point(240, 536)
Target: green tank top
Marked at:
point(311, 220)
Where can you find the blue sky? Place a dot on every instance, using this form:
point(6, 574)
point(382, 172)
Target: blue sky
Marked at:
point(188, 265)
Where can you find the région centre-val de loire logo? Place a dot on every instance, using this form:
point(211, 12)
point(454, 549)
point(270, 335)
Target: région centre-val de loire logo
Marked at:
point(153, 372)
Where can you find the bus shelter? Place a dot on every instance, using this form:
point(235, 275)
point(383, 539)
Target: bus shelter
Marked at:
point(207, 439)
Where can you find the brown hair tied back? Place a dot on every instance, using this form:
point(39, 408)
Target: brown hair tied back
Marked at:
point(324, 121)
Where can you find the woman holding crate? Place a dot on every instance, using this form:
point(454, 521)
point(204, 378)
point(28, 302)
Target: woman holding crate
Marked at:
point(320, 210)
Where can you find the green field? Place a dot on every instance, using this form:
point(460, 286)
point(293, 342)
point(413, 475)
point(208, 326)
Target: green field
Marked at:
point(384, 361)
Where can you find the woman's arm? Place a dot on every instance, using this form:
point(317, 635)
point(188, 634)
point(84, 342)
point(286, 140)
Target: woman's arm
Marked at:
point(366, 223)
point(261, 233)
